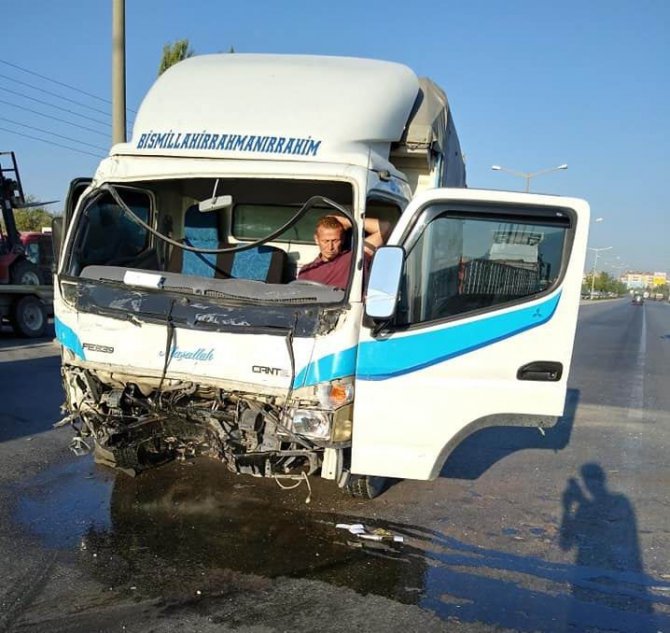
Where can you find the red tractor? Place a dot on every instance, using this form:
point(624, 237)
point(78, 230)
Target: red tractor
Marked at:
point(38, 247)
point(15, 267)
point(24, 299)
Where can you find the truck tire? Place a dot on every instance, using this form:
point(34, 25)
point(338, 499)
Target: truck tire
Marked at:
point(365, 486)
point(29, 317)
point(25, 273)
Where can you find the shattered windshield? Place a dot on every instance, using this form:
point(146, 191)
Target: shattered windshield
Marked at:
point(238, 239)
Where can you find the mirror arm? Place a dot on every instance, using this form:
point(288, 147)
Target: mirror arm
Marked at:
point(379, 327)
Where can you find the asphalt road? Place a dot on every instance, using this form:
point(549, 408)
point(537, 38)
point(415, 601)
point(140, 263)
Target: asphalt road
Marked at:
point(524, 531)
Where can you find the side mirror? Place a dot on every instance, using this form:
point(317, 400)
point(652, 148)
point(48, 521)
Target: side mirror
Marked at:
point(384, 283)
point(56, 237)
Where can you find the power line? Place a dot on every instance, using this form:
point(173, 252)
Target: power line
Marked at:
point(60, 83)
point(49, 116)
point(51, 105)
point(53, 94)
point(36, 138)
point(37, 129)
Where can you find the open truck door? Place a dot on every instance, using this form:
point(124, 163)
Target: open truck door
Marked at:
point(470, 314)
point(60, 225)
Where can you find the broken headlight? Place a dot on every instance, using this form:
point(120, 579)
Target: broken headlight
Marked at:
point(335, 427)
point(323, 411)
point(311, 423)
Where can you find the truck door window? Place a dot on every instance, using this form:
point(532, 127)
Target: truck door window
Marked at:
point(462, 264)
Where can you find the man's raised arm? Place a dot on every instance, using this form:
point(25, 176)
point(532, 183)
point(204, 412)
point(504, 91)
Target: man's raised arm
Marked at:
point(376, 231)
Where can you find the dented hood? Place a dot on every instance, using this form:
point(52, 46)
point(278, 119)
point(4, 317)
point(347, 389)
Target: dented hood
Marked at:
point(269, 349)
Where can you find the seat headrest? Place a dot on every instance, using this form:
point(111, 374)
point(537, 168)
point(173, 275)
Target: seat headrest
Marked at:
point(199, 225)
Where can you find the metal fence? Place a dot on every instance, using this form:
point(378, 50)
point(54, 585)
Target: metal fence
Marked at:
point(481, 276)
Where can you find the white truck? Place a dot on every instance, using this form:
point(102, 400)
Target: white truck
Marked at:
point(185, 332)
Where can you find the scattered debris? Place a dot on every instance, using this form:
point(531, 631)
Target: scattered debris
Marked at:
point(68, 419)
point(374, 534)
point(79, 447)
point(299, 478)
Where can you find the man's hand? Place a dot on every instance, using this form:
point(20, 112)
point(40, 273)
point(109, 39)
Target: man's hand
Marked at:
point(376, 231)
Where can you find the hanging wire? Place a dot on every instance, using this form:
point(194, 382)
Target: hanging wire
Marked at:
point(54, 94)
point(37, 129)
point(57, 107)
point(36, 138)
point(60, 83)
point(55, 118)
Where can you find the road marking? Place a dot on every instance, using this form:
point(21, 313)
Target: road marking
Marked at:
point(636, 410)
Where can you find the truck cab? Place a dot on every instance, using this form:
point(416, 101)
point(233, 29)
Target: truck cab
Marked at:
point(185, 329)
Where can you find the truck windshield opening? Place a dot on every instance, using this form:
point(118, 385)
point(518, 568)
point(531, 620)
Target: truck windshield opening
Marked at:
point(161, 227)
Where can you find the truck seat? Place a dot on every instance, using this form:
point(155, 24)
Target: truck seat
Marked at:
point(201, 231)
point(262, 263)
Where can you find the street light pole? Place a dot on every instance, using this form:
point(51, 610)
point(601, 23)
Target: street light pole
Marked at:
point(528, 175)
point(595, 263)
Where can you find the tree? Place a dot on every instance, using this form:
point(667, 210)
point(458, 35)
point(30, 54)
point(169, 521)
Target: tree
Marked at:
point(604, 283)
point(173, 53)
point(32, 219)
point(661, 289)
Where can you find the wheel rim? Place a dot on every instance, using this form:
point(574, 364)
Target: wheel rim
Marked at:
point(33, 317)
point(30, 278)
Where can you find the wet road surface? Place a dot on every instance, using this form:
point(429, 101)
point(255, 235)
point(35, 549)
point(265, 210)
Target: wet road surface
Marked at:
point(562, 531)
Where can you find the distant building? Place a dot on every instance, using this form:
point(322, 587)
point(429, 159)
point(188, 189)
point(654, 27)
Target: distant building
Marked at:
point(660, 279)
point(635, 280)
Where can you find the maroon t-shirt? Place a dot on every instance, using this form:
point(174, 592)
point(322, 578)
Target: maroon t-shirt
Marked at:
point(332, 273)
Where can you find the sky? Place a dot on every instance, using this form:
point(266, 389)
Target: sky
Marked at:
point(532, 84)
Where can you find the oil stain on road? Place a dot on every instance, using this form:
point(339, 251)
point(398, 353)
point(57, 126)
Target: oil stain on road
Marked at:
point(189, 531)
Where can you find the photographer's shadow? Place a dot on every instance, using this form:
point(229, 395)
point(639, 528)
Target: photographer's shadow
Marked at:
point(602, 529)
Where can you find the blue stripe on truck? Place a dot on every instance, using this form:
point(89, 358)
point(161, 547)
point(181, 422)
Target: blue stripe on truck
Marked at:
point(385, 358)
point(67, 338)
point(338, 365)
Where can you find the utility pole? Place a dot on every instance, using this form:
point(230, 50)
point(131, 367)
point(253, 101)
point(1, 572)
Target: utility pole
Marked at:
point(118, 71)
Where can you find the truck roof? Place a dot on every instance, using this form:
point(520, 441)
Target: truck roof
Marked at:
point(287, 107)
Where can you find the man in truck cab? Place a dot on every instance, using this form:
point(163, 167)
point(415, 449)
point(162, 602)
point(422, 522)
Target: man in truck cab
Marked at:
point(332, 265)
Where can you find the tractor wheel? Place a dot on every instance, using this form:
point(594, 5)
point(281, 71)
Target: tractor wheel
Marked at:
point(24, 273)
point(29, 317)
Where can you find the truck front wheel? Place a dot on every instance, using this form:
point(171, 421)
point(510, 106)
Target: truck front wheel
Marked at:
point(365, 486)
point(29, 317)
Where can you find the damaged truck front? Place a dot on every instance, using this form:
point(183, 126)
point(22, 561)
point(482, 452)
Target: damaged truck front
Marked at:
point(164, 359)
point(185, 329)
